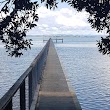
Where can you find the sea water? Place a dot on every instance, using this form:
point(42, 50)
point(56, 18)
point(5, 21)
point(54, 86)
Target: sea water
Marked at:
point(12, 68)
point(86, 70)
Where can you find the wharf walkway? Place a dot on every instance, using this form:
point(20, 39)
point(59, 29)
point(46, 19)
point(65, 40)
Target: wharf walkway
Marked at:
point(45, 83)
point(54, 93)
point(56, 40)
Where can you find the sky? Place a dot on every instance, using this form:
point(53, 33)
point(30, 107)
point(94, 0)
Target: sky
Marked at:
point(64, 20)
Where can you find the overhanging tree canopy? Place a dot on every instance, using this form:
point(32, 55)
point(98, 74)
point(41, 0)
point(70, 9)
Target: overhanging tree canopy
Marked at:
point(18, 16)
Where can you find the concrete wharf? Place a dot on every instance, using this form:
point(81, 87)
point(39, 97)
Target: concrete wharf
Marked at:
point(46, 84)
point(56, 40)
point(54, 93)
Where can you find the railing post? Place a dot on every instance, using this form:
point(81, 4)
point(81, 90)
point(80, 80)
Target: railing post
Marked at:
point(35, 76)
point(9, 106)
point(22, 97)
point(38, 70)
point(33, 81)
point(37, 67)
point(40, 67)
point(30, 88)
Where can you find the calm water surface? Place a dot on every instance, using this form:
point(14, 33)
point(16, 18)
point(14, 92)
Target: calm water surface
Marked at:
point(12, 68)
point(87, 71)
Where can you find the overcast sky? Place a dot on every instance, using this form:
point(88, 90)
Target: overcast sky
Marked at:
point(64, 20)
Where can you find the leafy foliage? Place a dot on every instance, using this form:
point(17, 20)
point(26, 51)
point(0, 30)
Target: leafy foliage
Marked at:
point(99, 18)
point(18, 16)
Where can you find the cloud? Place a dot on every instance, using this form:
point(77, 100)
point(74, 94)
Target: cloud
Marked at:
point(63, 21)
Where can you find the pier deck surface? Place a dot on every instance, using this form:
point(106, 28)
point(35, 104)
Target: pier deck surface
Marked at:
point(54, 93)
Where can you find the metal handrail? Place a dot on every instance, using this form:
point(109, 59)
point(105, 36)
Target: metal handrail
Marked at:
point(33, 73)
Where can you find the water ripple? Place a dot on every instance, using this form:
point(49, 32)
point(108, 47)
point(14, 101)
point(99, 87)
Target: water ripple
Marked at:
point(89, 74)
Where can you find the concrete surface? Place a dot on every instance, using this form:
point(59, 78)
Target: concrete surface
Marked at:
point(54, 92)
